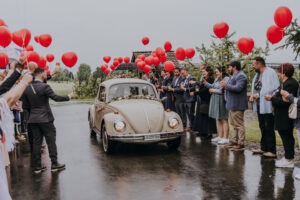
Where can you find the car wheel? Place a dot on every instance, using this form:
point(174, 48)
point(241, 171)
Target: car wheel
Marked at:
point(108, 145)
point(92, 132)
point(174, 144)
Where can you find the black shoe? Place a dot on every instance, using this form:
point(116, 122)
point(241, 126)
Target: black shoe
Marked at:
point(57, 166)
point(38, 170)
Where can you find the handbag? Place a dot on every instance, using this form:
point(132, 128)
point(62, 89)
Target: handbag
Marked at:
point(293, 109)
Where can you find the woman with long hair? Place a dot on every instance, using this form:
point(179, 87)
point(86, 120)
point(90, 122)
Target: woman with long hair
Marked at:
point(217, 109)
point(203, 124)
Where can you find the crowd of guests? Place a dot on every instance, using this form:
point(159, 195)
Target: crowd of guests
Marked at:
point(25, 92)
point(206, 106)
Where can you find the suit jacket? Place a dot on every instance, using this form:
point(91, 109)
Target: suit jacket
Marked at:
point(236, 92)
point(281, 108)
point(188, 88)
point(9, 82)
point(36, 98)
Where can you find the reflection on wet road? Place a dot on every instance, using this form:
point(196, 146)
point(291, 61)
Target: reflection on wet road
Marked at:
point(199, 170)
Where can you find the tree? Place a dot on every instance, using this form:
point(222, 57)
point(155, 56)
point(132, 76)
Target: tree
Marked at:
point(293, 38)
point(65, 75)
point(83, 74)
point(220, 54)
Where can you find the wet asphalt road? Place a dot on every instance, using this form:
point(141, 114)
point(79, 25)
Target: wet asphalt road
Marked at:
point(199, 170)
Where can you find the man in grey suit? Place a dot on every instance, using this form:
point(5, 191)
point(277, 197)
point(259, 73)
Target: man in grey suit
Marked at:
point(41, 119)
point(236, 103)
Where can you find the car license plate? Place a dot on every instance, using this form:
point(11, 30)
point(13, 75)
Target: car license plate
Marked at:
point(152, 137)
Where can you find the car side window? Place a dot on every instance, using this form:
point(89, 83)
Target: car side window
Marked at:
point(102, 94)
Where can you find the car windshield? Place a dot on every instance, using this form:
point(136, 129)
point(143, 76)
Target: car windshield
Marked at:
point(120, 91)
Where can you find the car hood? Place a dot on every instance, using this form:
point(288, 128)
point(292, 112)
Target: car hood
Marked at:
point(144, 116)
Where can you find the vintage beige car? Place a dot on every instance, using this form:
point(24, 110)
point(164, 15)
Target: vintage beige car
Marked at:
point(129, 111)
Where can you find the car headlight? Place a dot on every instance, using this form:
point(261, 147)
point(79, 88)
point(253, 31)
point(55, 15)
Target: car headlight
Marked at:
point(119, 125)
point(173, 122)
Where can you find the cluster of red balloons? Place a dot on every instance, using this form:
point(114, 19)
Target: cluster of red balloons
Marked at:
point(115, 63)
point(22, 39)
point(182, 54)
point(282, 17)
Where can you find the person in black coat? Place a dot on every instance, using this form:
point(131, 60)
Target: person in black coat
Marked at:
point(36, 97)
point(203, 124)
point(169, 102)
point(283, 123)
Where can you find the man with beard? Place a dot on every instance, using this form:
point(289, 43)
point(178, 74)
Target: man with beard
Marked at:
point(236, 103)
point(265, 82)
point(41, 119)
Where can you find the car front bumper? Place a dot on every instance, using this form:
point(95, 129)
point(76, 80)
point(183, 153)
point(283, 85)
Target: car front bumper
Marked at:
point(146, 137)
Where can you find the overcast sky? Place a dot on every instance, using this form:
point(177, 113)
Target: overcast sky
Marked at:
point(95, 28)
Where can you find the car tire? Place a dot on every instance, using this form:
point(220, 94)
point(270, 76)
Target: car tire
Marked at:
point(92, 132)
point(174, 144)
point(107, 144)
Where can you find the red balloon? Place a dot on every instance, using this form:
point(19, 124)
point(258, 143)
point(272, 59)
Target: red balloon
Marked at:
point(4, 60)
point(180, 53)
point(137, 60)
point(50, 57)
point(126, 59)
point(221, 29)
point(245, 45)
point(163, 58)
point(42, 62)
point(21, 37)
point(106, 59)
point(113, 67)
point(275, 34)
point(2, 23)
point(29, 48)
point(36, 39)
point(33, 56)
point(69, 59)
point(142, 56)
point(103, 67)
point(5, 37)
point(116, 63)
point(283, 16)
point(153, 53)
point(156, 61)
point(149, 60)
point(107, 71)
point(45, 40)
point(159, 52)
point(147, 69)
point(120, 59)
point(168, 46)
point(190, 52)
point(141, 65)
point(145, 40)
point(169, 66)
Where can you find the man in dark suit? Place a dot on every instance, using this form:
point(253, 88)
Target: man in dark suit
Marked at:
point(41, 119)
point(178, 94)
point(189, 97)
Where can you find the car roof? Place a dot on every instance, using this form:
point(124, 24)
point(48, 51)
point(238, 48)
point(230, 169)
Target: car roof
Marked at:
point(111, 82)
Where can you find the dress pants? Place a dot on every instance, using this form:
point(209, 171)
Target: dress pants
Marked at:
point(288, 141)
point(190, 111)
point(268, 139)
point(237, 121)
point(40, 130)
point(180, 110)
